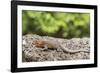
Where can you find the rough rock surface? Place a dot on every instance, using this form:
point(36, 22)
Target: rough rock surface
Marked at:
point(31, 53)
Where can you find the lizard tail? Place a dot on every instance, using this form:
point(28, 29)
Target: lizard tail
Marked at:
point(65, 49)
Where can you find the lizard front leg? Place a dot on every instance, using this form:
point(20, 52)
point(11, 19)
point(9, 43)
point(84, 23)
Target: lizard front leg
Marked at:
point(45, 47)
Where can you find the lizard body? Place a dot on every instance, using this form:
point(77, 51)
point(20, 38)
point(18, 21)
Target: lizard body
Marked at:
point(55, 44)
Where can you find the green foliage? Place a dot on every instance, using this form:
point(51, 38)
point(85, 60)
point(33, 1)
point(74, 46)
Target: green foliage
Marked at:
point(57, 24)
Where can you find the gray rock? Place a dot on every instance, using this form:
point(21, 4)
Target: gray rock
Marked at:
point(31, 53)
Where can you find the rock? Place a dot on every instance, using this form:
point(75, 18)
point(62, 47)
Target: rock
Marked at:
point(37, 54)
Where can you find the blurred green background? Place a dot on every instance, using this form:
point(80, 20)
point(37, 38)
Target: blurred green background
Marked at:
point(56, 24)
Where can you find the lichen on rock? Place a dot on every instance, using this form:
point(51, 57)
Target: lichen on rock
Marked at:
point(31, 53)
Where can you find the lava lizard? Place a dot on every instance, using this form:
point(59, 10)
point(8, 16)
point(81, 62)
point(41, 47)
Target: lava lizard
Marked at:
point(55, 44)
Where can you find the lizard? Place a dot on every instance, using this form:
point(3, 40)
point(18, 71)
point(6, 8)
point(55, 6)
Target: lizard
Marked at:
point(55, 44)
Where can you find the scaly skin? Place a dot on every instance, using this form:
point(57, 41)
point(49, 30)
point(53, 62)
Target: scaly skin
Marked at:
point(55, 44)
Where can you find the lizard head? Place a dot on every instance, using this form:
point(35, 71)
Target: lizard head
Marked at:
point(39, 43)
